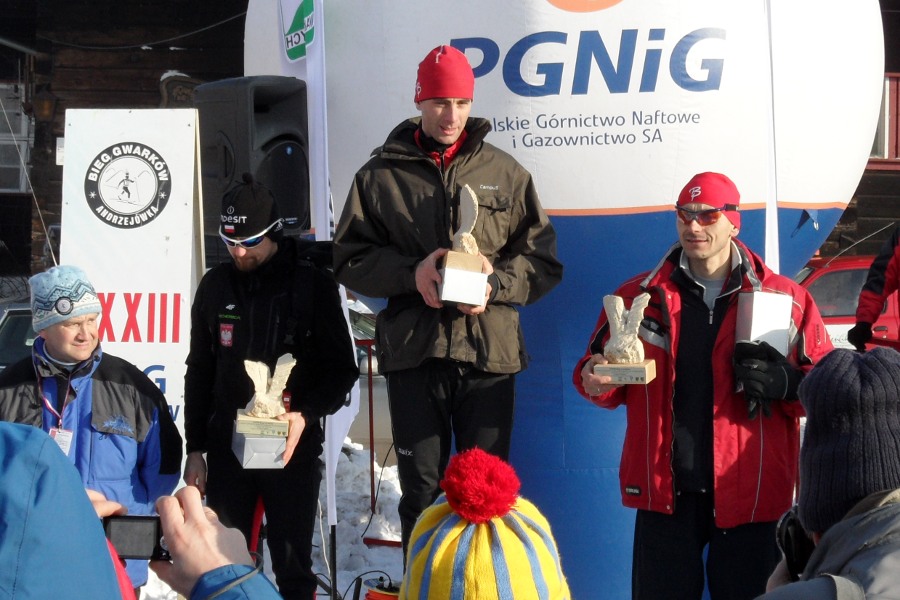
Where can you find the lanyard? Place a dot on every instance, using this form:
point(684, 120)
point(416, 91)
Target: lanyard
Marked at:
point(57, 413)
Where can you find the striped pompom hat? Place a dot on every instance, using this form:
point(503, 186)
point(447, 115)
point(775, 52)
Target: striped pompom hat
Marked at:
point(481, 541)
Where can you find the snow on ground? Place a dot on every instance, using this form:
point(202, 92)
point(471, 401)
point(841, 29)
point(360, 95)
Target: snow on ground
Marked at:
point(355, 521)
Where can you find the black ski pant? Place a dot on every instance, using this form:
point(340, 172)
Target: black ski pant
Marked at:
point(668, 554)
point(434, 406)
point(290, 496)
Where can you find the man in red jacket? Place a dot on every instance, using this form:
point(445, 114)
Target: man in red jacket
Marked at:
point(882, 281)
point(706, 466)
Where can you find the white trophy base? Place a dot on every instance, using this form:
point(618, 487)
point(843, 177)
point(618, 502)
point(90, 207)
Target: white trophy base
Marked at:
point(642, 372)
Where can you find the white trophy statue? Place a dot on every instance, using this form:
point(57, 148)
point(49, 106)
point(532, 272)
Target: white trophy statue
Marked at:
point(259, 436)
point(624, 350)
point(267, 400)
point(462, 279)
point(463, 240)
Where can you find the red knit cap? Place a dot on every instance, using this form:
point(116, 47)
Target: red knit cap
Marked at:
point(715, 190)
point(445, 73)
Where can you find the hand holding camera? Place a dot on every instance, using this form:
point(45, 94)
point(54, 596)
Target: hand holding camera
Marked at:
point(197, 541)
point(137, 536)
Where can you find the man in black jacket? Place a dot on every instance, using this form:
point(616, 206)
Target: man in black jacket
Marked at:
point(450, 366)
point(269, 301)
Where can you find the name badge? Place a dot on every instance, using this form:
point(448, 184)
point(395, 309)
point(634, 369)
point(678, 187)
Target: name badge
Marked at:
point(63, 439)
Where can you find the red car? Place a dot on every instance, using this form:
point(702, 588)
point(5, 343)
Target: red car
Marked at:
point(835, 284)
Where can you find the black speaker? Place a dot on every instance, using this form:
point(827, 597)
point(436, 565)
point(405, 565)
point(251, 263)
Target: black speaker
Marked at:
point(257, 125)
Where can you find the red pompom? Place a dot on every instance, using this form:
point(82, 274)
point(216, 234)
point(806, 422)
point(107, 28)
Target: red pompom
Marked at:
point(480, 486)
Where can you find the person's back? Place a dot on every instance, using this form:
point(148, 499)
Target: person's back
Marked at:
point(849, 501)
point(51, 545)
point(864, 547)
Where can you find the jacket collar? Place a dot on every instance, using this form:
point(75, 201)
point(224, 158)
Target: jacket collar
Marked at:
point(401, 141)
point(872, 501)
point(747, 273)
point(870, 519)
point(46, 367)
point(444, 156)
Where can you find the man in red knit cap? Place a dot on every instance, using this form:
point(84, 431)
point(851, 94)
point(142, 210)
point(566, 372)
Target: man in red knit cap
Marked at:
point(710, 453)
point(450, 368)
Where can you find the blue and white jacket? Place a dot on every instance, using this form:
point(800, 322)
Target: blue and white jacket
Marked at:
point(124, 441)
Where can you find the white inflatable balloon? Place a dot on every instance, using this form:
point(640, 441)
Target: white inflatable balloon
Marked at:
point(612, 105)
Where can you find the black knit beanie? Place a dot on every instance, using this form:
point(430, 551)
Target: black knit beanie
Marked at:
point(851, 447)
point(248, 209)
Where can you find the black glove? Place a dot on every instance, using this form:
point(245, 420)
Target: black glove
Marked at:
point(859, 334)
point(765, 374)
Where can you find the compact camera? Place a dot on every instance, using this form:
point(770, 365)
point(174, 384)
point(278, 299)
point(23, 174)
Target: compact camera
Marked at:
point(137, 536)
point(794, 543)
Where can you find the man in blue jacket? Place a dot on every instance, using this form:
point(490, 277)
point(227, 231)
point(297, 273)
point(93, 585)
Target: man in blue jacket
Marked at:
point(111, 421)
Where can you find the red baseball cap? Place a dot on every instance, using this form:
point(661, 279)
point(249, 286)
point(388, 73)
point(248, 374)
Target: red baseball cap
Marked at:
point(715, 190)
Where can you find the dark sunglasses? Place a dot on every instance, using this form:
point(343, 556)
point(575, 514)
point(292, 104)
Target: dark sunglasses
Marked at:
point(252, 242)
point(703, 217)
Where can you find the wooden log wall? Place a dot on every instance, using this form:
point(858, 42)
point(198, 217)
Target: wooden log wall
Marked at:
point(870, 218)
point(114, 54)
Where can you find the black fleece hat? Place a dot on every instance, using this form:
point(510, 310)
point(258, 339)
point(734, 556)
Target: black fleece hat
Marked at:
point(249, 209)
point(851, 447)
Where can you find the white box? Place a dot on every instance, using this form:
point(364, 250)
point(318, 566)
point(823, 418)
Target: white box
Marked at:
point(257, 451)
point(463, 281)
point(764, 316)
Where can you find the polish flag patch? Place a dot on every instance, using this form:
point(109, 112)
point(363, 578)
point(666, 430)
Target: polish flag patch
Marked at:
point(226, 335)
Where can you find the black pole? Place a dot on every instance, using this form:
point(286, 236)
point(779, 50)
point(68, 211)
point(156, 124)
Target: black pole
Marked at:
point(335, 595)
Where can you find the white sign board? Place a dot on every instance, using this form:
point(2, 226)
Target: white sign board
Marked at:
point(130, 196)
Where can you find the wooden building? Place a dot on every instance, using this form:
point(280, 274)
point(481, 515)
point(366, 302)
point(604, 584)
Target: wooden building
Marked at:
point(874, 211)
point(58, 54)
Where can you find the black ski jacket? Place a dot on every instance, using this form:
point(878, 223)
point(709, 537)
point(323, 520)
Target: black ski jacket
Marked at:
point(286, 306)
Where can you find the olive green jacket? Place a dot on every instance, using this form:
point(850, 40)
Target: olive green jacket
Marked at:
point(402, 206)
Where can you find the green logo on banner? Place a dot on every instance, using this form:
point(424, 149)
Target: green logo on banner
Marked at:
point(300, 32)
